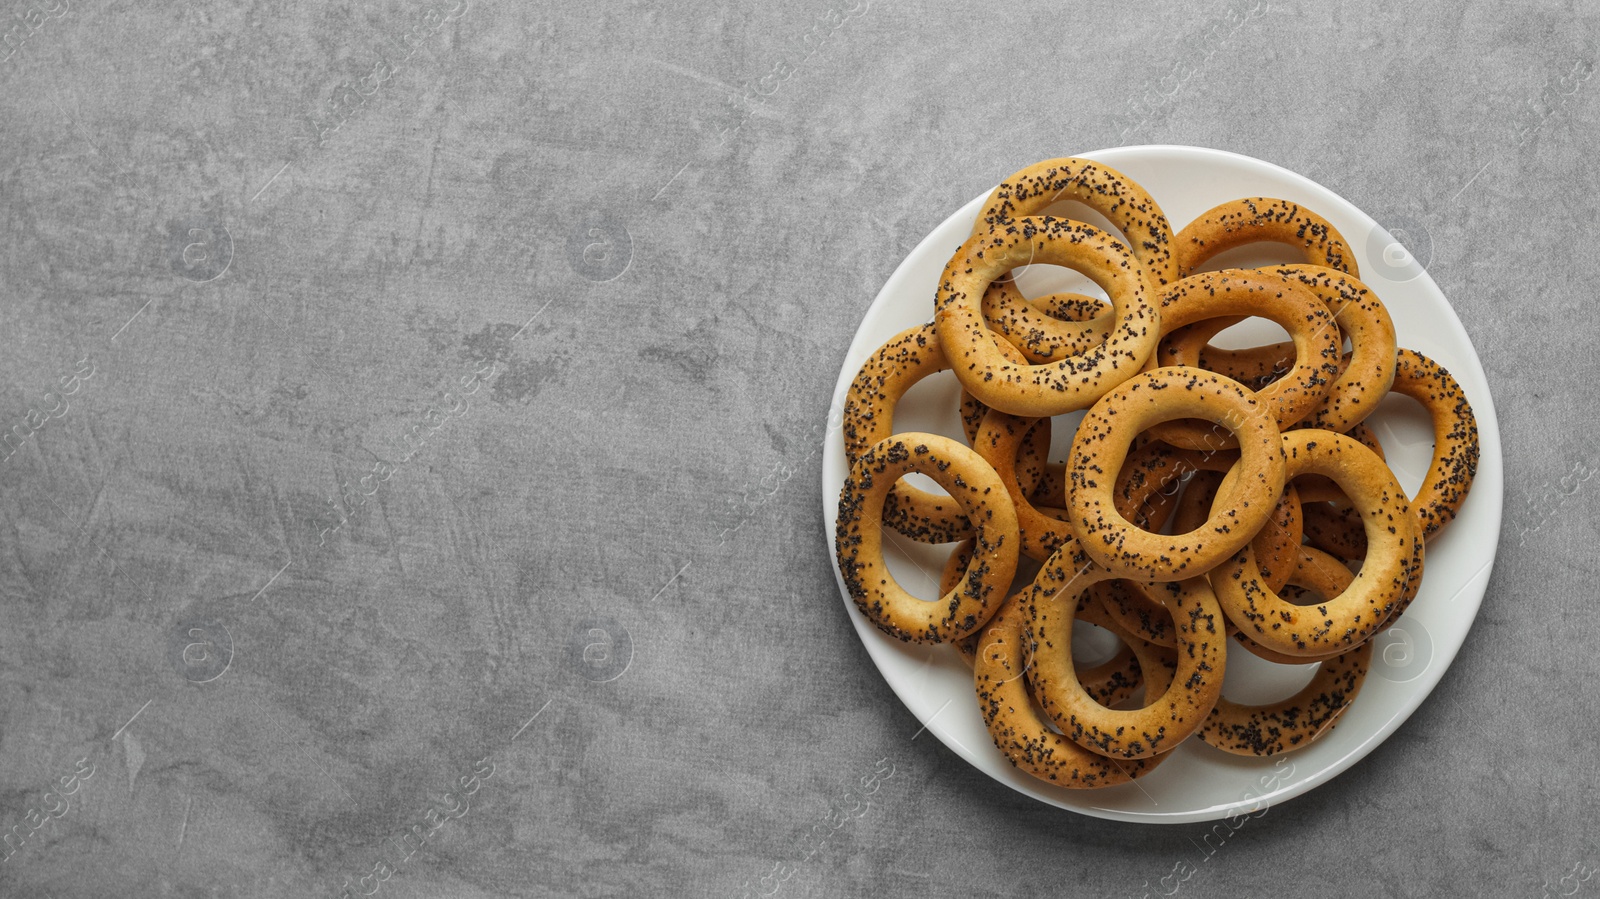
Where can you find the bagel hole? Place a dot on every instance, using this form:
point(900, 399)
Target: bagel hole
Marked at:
point(915, 566)
point(1092, 644)
point(1252, 680)
point(1405, 430)
point(1140, 697)
point(1355, 566)
point(1041, 280)
point(1255, 255)
point(1141, 515)
point(924, 483)
point(1302, 596)
point(1250, 333)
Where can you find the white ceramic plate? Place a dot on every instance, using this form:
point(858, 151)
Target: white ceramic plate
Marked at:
point(1200, 783)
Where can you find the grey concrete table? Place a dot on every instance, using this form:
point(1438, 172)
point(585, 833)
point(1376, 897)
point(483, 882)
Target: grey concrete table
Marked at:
point(413, 419)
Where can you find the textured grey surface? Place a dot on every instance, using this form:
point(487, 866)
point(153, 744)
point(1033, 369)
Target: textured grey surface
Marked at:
point(576, 282)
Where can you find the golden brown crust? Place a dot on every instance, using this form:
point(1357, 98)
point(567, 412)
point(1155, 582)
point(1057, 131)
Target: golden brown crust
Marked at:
point(1052, 488)
point(1073, 383)
point(858, 539)
point(1254, 367)
point(884, 378)
point(1455, 439)
point(1279, 298)
point(1107, 191)
point(1354, 615)
point(1147, 487)
point(1317, 576)
point(1276, 545)
point(1126, 205)
point(1335, 530)
point(1109, 682)
point(1363, 377)
point(955, 568)
point(1136, 607)
point(1048, 328)
point(1015, 723)
point(1168, 716)
point(1295, 722)
point(1118, 678)
point(998, 440)
point(1318, 489)
point(1101, 446)
point(1257, 219)
point(1272, 469)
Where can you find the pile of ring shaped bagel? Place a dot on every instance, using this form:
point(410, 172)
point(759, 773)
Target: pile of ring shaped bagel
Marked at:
point(1210, 495)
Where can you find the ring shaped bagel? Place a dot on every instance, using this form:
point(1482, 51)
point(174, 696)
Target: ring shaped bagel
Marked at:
point(1355, 614)
point(1017, 727)
point(1247, 292)
point(1107, 191)
point(1455, 439)
point(1317, 573)
point(1110, 682)
point(1168, 716)
point(1361, 383)
point(1101, 446)
point(1039, 391)
point(1125, 204)
point(1295, 722)
point(858, 541)
point(1261, 219)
